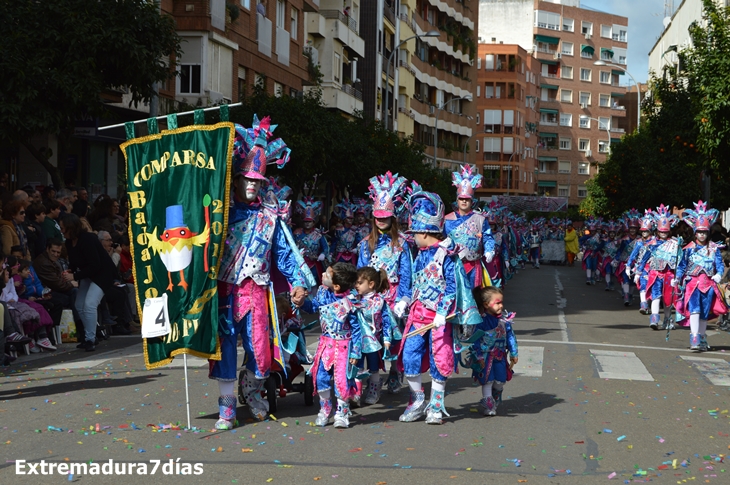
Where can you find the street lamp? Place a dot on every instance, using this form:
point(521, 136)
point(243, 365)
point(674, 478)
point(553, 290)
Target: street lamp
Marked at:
point(436, 123)
point(608, 131)
point(430, 33)
point(638, 90)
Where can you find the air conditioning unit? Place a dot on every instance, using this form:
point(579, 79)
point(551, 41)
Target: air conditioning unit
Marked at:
point(588, 36)
point(557, 55)
point(589, 153)
point(583, 105)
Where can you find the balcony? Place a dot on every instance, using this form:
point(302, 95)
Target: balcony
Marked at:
point(263, 34)
point(283, 39)
point(407, 67)
point(344, 28)
point(437, 75)
point(618, 130)
point(345, 19)
point(311, 5)
point(389, 13)
point(546, 50)
point(424, 114)
point(316, 25)
point(345, 98)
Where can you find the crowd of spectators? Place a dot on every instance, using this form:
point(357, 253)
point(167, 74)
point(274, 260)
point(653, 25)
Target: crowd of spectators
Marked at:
point(61, 252)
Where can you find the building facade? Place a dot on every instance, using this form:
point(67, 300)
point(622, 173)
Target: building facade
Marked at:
point(507, 92)
point(578, 104)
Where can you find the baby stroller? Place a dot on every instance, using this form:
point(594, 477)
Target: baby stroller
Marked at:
point(723, 323)
point(281, 381)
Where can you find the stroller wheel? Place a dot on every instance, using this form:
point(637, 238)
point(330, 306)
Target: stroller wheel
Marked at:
point(271, 390)
point(308, 390)
point(241, 398)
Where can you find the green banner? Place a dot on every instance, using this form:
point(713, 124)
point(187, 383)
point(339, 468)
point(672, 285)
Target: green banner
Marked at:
point(178, 185)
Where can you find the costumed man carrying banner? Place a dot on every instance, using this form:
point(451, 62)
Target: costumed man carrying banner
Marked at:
point(256, 236)
point(470, 230)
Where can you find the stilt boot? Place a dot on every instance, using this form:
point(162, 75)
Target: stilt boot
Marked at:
point(252, 387)
point(654, 321)
point(226, 413)
point(416, 407)
point(325, 409)
point(342, 415)
point(373, 394)
point(694, 341)
point(436, 409)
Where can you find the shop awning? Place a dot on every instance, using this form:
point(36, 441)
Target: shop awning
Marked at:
point(548, 159)
point(586, 48)
point(617, 95)
point(547, 183)
point(606, 49)
point(549, 111)
point(547, 135)
point(617, 71)
point(547, 39)
point(615, 140)
point(550, 63)
point(548, 86)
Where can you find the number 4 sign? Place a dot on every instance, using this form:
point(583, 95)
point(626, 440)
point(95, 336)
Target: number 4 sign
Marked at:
point(155, 319)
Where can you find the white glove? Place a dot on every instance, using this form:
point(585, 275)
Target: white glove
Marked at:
point(637, 280)
point(628, 271)
point(321, 257)
point(439, 320)
point(673, 283)
point(488, 257)
point(717, 277)
point(400, 308)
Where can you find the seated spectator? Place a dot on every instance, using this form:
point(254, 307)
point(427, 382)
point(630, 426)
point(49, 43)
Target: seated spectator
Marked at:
point(94, 271)
point(47, 268)
point(35, 197)
point(33, 317)
point(104, 219)
point(119, 302)
point(49, 194)
point(119, 220)
point(113, 249)
point(11, 228)
point(37, 293)
point(81, 207)
point(11, 338)
point(35, 215)
point(66, 198)
point(51, 228)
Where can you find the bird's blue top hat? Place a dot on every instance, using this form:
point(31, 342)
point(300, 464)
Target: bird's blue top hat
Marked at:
point(174, 217)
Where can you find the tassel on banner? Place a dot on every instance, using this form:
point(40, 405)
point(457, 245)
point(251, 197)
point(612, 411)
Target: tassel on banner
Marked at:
point(198, 114)
point(172, 122)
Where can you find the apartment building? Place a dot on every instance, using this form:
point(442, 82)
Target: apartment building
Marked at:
point(582, 56)
point(507, 117)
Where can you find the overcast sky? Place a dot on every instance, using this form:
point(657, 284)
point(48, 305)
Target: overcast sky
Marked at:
point(645, 26)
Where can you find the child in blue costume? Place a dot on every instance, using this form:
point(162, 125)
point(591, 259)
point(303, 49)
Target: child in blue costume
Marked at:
point(489, 354)
point(377, 326)
point(592, 246)
point(339, 345)
point(699, 271)
point(637, 254)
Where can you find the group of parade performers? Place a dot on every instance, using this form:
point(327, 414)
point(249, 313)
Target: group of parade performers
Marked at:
point(400, 283)
point(640, 250)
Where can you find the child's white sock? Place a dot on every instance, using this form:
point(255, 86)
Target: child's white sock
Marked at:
point(226, 388)
point(325, 395)
point(655, 305)
point(414, 383)
point(642, 296)
point(487, 390)
point(694, 323)
point(702, 327)
point(625, 288)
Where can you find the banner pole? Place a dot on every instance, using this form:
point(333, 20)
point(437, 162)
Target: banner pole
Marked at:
point(187, 393)
point(119, 125)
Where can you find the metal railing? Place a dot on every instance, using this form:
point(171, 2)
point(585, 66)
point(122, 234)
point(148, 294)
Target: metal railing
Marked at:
point(352, 91)
point(345, 19)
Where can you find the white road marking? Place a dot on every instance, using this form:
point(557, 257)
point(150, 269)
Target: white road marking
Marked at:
point(620, 365)
point(622, 346)
point(530, 362)
point(717, 371)
point(561, 303)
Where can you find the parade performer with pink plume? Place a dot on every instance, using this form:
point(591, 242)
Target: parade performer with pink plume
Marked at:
point(346, 236)
point(310, 240)
point(646, 229)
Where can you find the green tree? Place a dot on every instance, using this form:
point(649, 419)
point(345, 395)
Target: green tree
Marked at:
point(59, 56)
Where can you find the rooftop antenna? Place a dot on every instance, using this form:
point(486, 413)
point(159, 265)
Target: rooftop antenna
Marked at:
point(668, 12)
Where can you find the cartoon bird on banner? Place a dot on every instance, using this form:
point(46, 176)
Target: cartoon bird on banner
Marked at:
point(176, 242)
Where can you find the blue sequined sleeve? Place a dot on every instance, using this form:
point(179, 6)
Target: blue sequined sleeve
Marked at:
point(405, 275)
point(356, 341)
point(446, 304)
point(719, 264)
point(323, 246)
point(284, 256)
point(487, 238)
point(388, 322)
point(682, 266)
point(511, 340)
point(634, 253)
point(363, 255)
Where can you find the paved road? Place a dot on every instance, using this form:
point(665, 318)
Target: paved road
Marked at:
point(597, 396)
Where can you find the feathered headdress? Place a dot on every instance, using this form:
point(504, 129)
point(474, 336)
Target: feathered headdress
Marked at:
point(387, 193)
point(466, 181)
point(632, 218)
point(701, 218)
point(593, 223)
point(254, 148)
point(309, 208)
point(647, 222)
point(427, 211)
point(613, 226)
point(276, 197)
point(495, 212)
point(362, 207)
point(344, 210)
point(664, 219)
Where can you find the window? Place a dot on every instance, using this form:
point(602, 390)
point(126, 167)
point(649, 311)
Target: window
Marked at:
point(602, 146)
point(549, 118)
point(241, 82)
point(604, 100)
point(278, 89)
point(585, 74)
point(567, 72)
point(563, 191)
point(547, 20)
point(568, 25)
point(566, 96)
point(586, 27)
point(567, 48)
point(584, 122)
point(509, 122)
point(606, 31)
point(565, 143)
point(294, 22)
point(619, 33)
point(604, 122)
point(584, 144)
point(582, 191)
point(622, 35)
point(489, 62)
point(492, 122)
point(563, 166)
point(489, 91)
point(566, 119)
point(477, 119)
point(585, 98)
point(260, 81)
point(246, 4)
point(605, 77)
point(479, 62)
point(336, 68)
point(479, 91)
point(190, 66)
point(619, 54)
point(583, 168)
point(476, 145)
point(280, 11)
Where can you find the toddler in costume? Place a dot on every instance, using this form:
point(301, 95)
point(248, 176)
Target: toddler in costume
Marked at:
point(339, 345)
point(488, 359)
point(377, 326)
